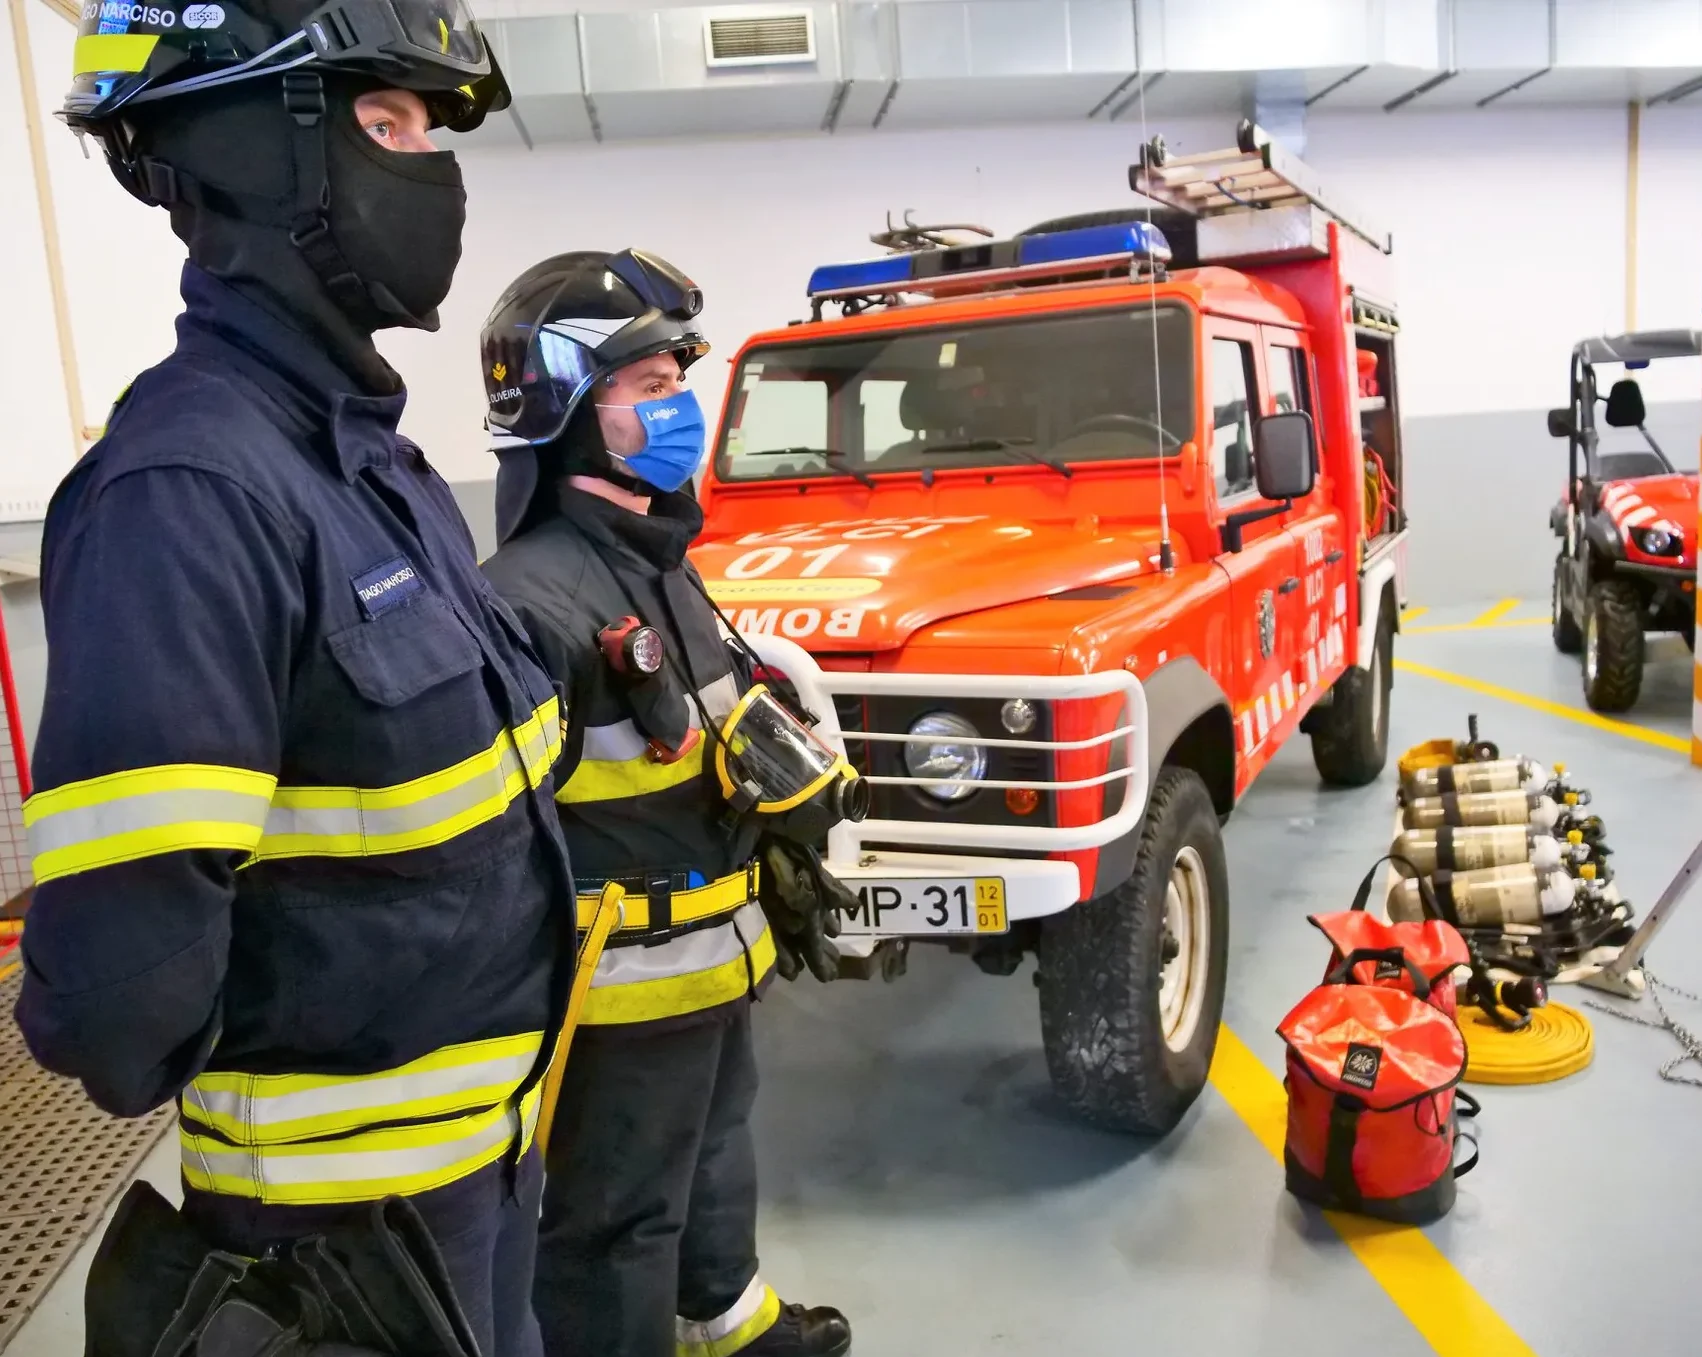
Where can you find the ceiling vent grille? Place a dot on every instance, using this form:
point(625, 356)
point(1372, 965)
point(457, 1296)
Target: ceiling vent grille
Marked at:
point(760, 40)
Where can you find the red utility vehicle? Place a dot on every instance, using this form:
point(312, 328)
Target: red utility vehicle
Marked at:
point(1627, 523)
point(1063, 536)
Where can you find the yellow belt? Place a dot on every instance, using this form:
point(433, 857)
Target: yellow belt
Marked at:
point(721, 896)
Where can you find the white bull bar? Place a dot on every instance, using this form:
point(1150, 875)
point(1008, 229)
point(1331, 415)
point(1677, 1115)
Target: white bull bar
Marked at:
point(1033, 887)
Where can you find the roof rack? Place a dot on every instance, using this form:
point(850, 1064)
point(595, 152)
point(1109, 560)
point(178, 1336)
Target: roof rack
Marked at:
point(1227, 188)
point(1641, 346)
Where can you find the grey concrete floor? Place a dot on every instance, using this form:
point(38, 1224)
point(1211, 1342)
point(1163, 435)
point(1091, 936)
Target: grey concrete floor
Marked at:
point(917, 1172)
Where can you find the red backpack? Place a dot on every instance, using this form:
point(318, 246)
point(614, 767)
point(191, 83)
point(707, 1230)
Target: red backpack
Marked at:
point(1374, 1056)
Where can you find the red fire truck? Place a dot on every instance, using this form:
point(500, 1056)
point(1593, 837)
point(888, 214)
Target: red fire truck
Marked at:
point(1063, 536)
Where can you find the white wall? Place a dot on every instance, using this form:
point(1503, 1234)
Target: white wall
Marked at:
point(40, 442)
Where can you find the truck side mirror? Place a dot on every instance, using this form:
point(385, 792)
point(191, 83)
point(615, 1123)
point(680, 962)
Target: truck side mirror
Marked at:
point(1284, 462)
point(1560, 422)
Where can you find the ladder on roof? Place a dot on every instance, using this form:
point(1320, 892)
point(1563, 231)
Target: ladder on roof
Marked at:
point(1254, 175)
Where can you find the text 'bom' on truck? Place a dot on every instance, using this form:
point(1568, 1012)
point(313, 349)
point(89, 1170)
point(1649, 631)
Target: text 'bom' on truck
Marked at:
point(1061, 537)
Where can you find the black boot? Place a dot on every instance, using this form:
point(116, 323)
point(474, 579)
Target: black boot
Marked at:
point(818, 1332)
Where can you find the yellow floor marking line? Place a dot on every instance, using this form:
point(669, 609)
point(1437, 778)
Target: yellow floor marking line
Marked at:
point(1476, 626)
point(1425, 1287)
point(1582, 717)
point(1412, 613)
point(6, 971)
point(1496, 613)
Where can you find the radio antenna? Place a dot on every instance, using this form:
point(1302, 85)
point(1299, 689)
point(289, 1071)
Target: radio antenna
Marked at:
point(1166, 555)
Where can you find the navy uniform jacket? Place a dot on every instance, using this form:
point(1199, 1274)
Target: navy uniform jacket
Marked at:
point(293, 826)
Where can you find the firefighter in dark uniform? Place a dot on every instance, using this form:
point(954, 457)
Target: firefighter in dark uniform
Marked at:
point(298, 862)
point(647, 1245)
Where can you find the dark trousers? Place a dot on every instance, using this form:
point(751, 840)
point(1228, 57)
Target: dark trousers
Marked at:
point(487, 1235)
point(650, 1199)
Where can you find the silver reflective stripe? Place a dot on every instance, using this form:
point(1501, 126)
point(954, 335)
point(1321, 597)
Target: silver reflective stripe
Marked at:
point(620, 742)
point(252, 1107)
point(720, 697)
point(370, 823)
point(699, 951)
point(81, 825)
point(617, 743)
point(325, 1165)
point(743, 1310)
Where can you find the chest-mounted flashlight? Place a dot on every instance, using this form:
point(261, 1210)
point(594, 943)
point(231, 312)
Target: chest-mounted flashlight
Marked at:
point(632, 649)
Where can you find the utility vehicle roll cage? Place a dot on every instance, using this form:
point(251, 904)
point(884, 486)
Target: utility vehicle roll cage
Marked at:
point(1577, 422)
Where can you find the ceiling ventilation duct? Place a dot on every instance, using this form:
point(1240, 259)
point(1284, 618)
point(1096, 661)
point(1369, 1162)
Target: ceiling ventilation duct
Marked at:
point(759, 40)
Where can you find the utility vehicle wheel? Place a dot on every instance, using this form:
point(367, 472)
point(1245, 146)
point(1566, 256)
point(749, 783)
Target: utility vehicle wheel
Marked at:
point(1613, 646)
point(1131, 984)
point(1350, 742)
point(1568, 640)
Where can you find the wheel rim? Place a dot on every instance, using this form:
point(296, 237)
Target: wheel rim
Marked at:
point(1187, 919)
point(1592, 649)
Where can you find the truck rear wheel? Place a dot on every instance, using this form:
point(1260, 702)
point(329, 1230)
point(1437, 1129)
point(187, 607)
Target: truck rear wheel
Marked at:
point(1350, 740)
point(1131, 984)
point(1613, 646)
point(1568, 640)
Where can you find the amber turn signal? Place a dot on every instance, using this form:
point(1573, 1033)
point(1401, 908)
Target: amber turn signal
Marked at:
point(1021, 800)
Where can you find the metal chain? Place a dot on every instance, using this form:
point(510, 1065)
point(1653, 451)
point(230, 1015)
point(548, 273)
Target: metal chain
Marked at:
point(1691, 1043)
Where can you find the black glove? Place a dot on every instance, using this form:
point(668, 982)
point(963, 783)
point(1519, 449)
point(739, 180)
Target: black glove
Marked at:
point(802, 900)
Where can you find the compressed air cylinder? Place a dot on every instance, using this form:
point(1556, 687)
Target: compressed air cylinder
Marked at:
point(1489, 898)
point(1471, 848)
point(1482, 808)
point(1496, 775)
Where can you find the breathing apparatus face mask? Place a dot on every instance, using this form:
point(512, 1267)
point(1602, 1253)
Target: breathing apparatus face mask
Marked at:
point(773, 766)
point(673, 440)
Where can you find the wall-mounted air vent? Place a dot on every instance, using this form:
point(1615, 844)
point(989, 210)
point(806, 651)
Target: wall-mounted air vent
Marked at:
point(759, 39)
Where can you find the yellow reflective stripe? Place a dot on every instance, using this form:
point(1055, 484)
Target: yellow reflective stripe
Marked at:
point(99, 53)
point(751, 1316)
point(721, 896)
point(670, 996)
point(276, 1109)
point(403, 1160)
point(539, 739)
point(141, 812)
point(429, 810)
point(613, 779)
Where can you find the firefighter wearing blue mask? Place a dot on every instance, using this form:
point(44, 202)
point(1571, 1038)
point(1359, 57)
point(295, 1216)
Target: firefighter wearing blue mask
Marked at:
point(298, 865)
point(647, 1245)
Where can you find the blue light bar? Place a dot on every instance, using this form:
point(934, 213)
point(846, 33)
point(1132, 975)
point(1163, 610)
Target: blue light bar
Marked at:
point(870, 274)
point(1133, 239)
point(1026, 258)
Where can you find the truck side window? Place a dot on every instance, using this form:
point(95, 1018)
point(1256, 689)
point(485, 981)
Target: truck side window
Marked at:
point(1233, 409)
point(1287, 369)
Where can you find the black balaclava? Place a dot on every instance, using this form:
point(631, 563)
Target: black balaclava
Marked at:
point(395, 216)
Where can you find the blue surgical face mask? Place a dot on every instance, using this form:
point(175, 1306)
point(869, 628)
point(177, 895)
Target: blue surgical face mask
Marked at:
point(673, 440)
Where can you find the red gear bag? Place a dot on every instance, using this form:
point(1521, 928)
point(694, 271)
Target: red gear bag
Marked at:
point(1374, 1055)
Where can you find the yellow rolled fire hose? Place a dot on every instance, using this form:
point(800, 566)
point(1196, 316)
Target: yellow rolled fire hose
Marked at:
point(610, 911)
point(1557, 1042)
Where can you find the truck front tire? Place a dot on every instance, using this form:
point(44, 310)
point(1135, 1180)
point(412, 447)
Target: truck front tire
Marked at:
point(1613, 646)
point(1350, 739)
point(1131, 984)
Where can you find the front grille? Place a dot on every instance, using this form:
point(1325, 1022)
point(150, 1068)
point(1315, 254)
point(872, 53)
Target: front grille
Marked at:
point(984, 807)
point(849, 708)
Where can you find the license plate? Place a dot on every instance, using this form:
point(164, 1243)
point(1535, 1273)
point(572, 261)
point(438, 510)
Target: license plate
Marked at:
point(947, 906)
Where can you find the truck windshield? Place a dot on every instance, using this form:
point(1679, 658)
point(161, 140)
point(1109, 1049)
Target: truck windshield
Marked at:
point(1059, 389)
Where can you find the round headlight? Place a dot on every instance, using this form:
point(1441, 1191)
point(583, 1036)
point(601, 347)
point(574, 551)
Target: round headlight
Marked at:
point(646, 649)
point(932, 752)
point(1657, 541)
point(1018, 716)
